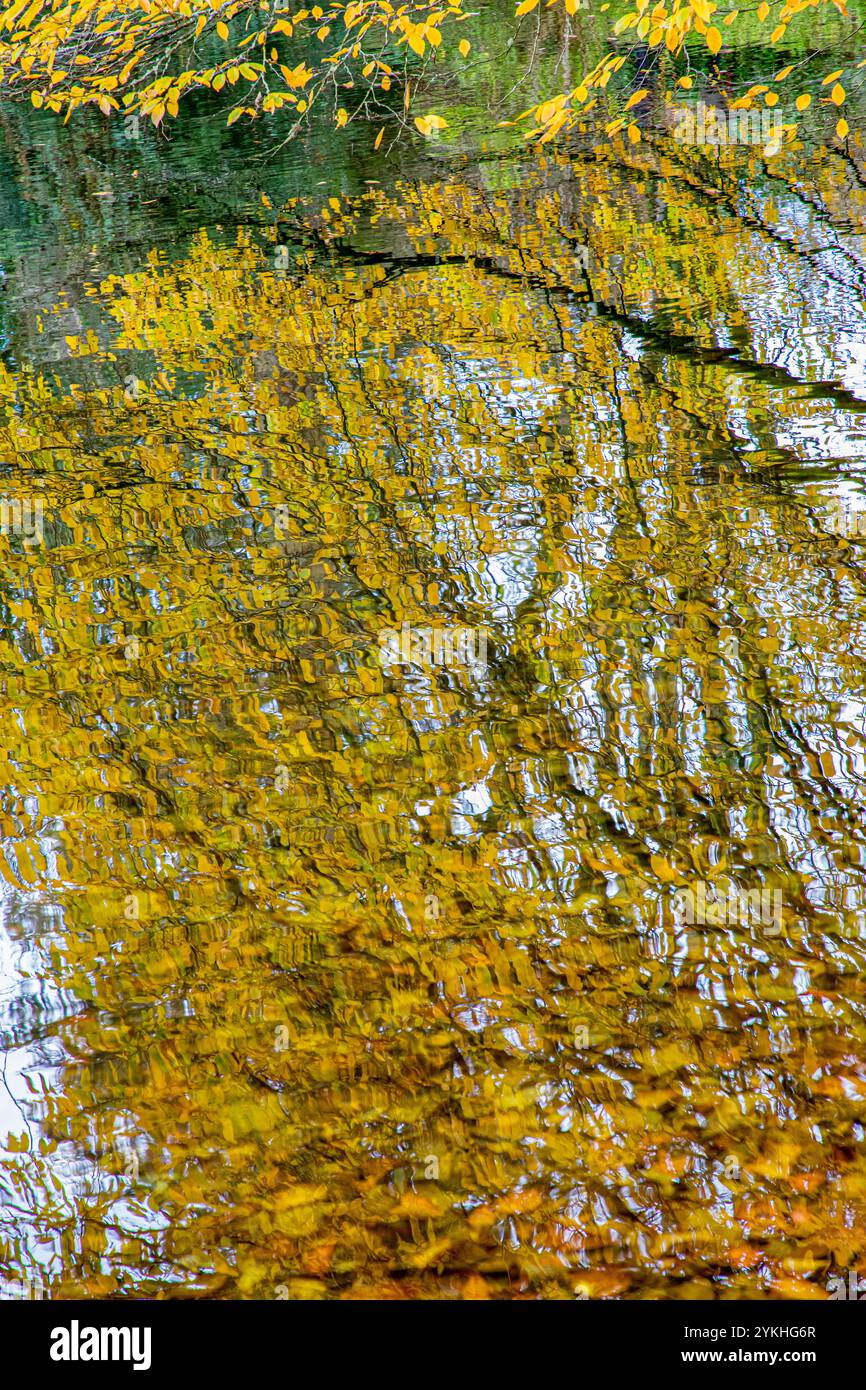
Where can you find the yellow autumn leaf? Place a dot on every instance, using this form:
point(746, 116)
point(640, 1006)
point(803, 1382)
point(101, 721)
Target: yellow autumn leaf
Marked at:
point(714, 40)
point(22, 858)
point(664, 869)
point(428, 124)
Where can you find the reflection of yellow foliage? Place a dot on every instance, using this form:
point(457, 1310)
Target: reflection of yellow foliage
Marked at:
point(227, 822)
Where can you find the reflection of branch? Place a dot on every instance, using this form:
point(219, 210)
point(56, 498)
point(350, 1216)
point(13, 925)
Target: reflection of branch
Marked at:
point(673, 343)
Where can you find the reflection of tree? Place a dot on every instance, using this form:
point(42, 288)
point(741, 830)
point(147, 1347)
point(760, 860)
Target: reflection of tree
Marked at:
point(260, 1003)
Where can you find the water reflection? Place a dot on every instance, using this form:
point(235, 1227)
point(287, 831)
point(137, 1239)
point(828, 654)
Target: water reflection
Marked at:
point(328, 976)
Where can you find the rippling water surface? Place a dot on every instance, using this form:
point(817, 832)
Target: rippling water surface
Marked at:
point(325, 972)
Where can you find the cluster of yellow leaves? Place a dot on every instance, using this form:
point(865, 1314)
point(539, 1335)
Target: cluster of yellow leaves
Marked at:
point(668, 25)
point(114, 53)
